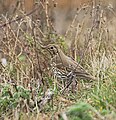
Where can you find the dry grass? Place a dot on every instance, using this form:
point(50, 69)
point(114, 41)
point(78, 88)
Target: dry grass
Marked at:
point(25, 80)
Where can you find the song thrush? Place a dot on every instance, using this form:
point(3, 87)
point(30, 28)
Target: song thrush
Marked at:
point(64, 65)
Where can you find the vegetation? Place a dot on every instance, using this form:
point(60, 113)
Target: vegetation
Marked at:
point(27, 88)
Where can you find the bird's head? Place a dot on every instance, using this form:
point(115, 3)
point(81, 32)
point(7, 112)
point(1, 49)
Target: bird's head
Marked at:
point(53, 49)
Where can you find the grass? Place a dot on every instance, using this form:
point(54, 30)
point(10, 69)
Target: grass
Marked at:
point(27, 89)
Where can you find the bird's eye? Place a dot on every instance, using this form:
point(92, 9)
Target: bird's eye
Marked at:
point(51, 48)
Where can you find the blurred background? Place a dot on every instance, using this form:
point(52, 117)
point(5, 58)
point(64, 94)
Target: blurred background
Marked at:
point(85, 30)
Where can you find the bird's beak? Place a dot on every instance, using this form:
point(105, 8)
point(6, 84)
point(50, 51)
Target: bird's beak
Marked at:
point(44, 47)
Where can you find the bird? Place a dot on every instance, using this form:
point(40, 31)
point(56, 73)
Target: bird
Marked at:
point(64, 66)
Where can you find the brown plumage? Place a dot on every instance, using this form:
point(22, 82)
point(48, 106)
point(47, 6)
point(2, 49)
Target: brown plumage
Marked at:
point(65, 63)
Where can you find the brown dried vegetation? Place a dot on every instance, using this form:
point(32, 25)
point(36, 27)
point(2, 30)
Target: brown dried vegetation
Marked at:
point(87, 34)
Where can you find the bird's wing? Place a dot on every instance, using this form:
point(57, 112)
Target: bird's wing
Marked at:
point(76, 66)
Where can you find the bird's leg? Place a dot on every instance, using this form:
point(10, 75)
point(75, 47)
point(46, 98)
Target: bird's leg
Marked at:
point(78, 84)
point(74, 85)
point(72, 77)
point(63, 90)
